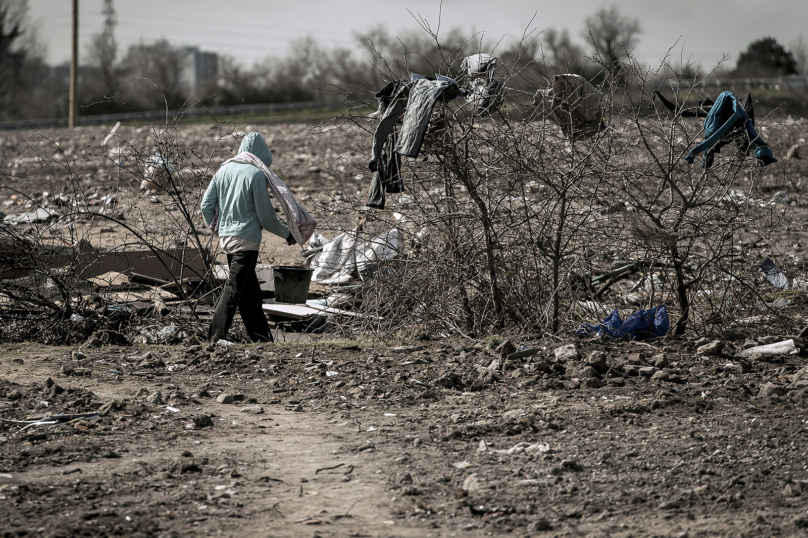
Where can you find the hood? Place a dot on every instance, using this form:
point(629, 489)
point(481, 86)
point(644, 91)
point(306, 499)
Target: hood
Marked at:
point(254, 143)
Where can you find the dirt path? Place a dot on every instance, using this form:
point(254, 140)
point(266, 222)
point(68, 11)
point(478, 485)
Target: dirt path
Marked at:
point(403, 442)
point(270, 470)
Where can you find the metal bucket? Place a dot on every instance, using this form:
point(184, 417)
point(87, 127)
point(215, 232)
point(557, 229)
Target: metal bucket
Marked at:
point(291, 283)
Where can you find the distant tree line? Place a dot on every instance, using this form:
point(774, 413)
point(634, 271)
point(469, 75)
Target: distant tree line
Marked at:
point(148, 76)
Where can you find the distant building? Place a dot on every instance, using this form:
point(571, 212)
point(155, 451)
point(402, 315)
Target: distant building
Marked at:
point(198, 67)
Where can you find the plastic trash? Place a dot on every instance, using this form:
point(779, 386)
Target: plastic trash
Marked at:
point(774, 275)
point(641, 325)
point(778, 348)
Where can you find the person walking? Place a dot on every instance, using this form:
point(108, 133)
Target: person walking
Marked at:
point(237, 207)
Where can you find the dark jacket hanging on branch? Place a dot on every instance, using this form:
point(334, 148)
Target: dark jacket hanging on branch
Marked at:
point(412, 102)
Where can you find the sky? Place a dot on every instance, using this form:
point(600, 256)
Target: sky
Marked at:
point(250, 30)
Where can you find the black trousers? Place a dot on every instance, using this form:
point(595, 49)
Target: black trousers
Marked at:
point(243, 291)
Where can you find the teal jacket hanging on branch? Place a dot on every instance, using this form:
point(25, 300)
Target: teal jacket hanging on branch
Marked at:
point(725, 116)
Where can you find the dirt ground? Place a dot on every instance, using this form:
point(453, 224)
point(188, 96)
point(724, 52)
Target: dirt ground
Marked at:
point(337, 438)
point(361, 438)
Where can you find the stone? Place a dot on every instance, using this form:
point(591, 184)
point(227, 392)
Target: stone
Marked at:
point(202, 421)
point(597, 359)
point(406, 478)
point(505, 348)
point(635, 358)
point(471, 483)
point(142, 393)
point(659, 376)
point(587, 372)
point(541, 524)
point(792, 490)
point(800, 378)
point(225, 398)
point(155, 398)
point(78, 355)
point(253, 409)
point(593, 383)
point(661, 361)
point(571, 465)
point(711, 349)
point(748, 343)
point(647, 371)
point(66, 370)
point(405, 349)
point(793, 152)
point(513, 414)
point(542, 366)
point(769, 391)
point(568, 352)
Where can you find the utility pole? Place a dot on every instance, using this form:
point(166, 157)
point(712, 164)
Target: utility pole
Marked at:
point(74, 69)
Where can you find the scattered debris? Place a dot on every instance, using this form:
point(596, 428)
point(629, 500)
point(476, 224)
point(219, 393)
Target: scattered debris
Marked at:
point(785, 347)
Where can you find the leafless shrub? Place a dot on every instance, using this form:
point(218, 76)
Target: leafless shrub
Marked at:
point(512, 225)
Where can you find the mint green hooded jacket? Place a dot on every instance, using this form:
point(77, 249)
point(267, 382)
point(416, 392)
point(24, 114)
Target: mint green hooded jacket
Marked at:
point(240, 191)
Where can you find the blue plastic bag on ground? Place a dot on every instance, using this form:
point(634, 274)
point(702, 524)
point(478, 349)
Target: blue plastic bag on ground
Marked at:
point(641, 325)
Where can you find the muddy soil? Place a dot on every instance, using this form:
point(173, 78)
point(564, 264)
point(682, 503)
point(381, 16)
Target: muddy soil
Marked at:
point(337, 438)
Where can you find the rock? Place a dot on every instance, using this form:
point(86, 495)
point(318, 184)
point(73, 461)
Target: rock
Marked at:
point(586, 372)
point(597, 359)
point(647, 371)
point(801, 521)
point(769, 391)
point(661, 361)
point(659, 376)
point(792, 490)
point(513, 414)
point(793, 152)
point(594, 383)
point(505, 348)
point(406, 478)
point(541, 524)
point(156, 398)
point(568, 352)
point(711, 349)
point(66, 370)
point(542, 366)
point(741, 367)
point(253, 409)
point(571, 465)
point(142, 393)
point(800, 378)
point(49, 382)
point(225, 398)
point(748, 343)
point(405, 349)
point(14, 395)
point(669, 505)
point(471, 483)
point(202, 421)
point(635, 358)
point(78, 355)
